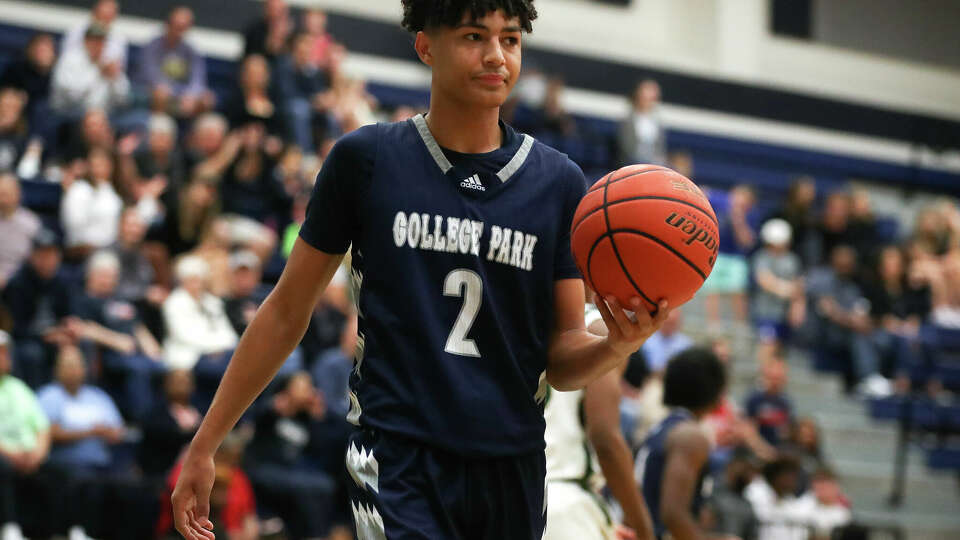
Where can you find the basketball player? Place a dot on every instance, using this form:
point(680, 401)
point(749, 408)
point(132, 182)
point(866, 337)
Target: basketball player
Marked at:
point(469, 300)
point(671, 463)
point(583, 430)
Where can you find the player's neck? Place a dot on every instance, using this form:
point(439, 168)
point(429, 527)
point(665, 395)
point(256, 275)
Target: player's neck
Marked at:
point(468, 131)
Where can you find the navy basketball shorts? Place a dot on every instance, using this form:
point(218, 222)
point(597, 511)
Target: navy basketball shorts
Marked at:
point(401, 489)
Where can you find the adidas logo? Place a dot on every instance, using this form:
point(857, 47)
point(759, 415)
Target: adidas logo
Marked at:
point(473, 183)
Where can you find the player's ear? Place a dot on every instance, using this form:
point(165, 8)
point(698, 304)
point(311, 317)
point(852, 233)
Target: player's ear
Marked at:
point(422, 46)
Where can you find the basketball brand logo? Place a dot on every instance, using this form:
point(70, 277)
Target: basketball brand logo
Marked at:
point(694, 232)
point(473, 182)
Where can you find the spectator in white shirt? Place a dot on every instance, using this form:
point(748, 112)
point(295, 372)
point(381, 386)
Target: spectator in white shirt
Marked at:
point(196, 321)
point(84, 79)
point(90, 209)
point(103, 13)
point(781, 514)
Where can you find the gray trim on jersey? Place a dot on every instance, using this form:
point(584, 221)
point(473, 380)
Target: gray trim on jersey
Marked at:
point(441, 160)
point(432, 146)
point(516, 162)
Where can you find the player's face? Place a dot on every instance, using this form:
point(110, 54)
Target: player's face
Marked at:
point(478, 61)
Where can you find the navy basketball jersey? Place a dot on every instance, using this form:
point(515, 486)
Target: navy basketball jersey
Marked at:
point(651, 463)
point(454, 258)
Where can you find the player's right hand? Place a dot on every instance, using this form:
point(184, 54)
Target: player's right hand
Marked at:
point(191, 498)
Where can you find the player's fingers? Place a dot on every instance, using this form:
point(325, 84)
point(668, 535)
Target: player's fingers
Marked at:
point(608, 319)
point(202, 513)
point(663, 311)
point(642, 318)
point(181, 519)
point(201, 531)
point(623, 322)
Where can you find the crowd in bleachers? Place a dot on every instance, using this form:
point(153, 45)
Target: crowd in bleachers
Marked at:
point(122, 304)
point(178, 200)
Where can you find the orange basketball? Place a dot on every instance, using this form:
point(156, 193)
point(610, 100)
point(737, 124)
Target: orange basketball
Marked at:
point(646, 231)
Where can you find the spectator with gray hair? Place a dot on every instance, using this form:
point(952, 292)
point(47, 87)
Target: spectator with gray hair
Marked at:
point(196, 321)
point(113, 328)
point(152, 176)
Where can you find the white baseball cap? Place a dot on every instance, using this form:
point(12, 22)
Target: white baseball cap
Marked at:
point(776, 232)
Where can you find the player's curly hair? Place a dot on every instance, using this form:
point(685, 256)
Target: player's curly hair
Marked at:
point(423, 14)
point(694, 379)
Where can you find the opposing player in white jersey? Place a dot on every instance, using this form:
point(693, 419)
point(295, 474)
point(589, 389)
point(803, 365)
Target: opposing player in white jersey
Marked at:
point(583, 430)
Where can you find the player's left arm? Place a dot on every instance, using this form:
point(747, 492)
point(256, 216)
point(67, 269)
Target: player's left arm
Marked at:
point(601, 405)
point(577, 357)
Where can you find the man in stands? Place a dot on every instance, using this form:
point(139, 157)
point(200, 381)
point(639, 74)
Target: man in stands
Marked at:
point(85, 423)
point(173, 71)
point(38, 300)
point(85, 79)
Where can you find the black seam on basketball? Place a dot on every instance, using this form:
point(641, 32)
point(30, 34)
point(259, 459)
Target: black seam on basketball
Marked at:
point(645, 197)
point(590, 261)
point(613, 244)
point(607, 177)
point(662, 243)
point(624, 177)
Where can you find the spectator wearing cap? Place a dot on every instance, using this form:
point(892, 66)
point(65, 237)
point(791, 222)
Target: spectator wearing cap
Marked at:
point(246, 290)
point(196, 322)
point(172, 70)
point(24, 447)
point(18, 225)
point(102, 15)
point(170, 425)
point(38, 299)
point(90, 209)
point(778, 301)
point(85, 78)
point(127, 349)
point(85, 424)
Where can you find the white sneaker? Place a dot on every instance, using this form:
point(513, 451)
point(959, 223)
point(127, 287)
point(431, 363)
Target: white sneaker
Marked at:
point(11, 531)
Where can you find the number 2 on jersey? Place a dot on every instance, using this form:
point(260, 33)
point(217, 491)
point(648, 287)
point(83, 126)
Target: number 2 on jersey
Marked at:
point(465, 283)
